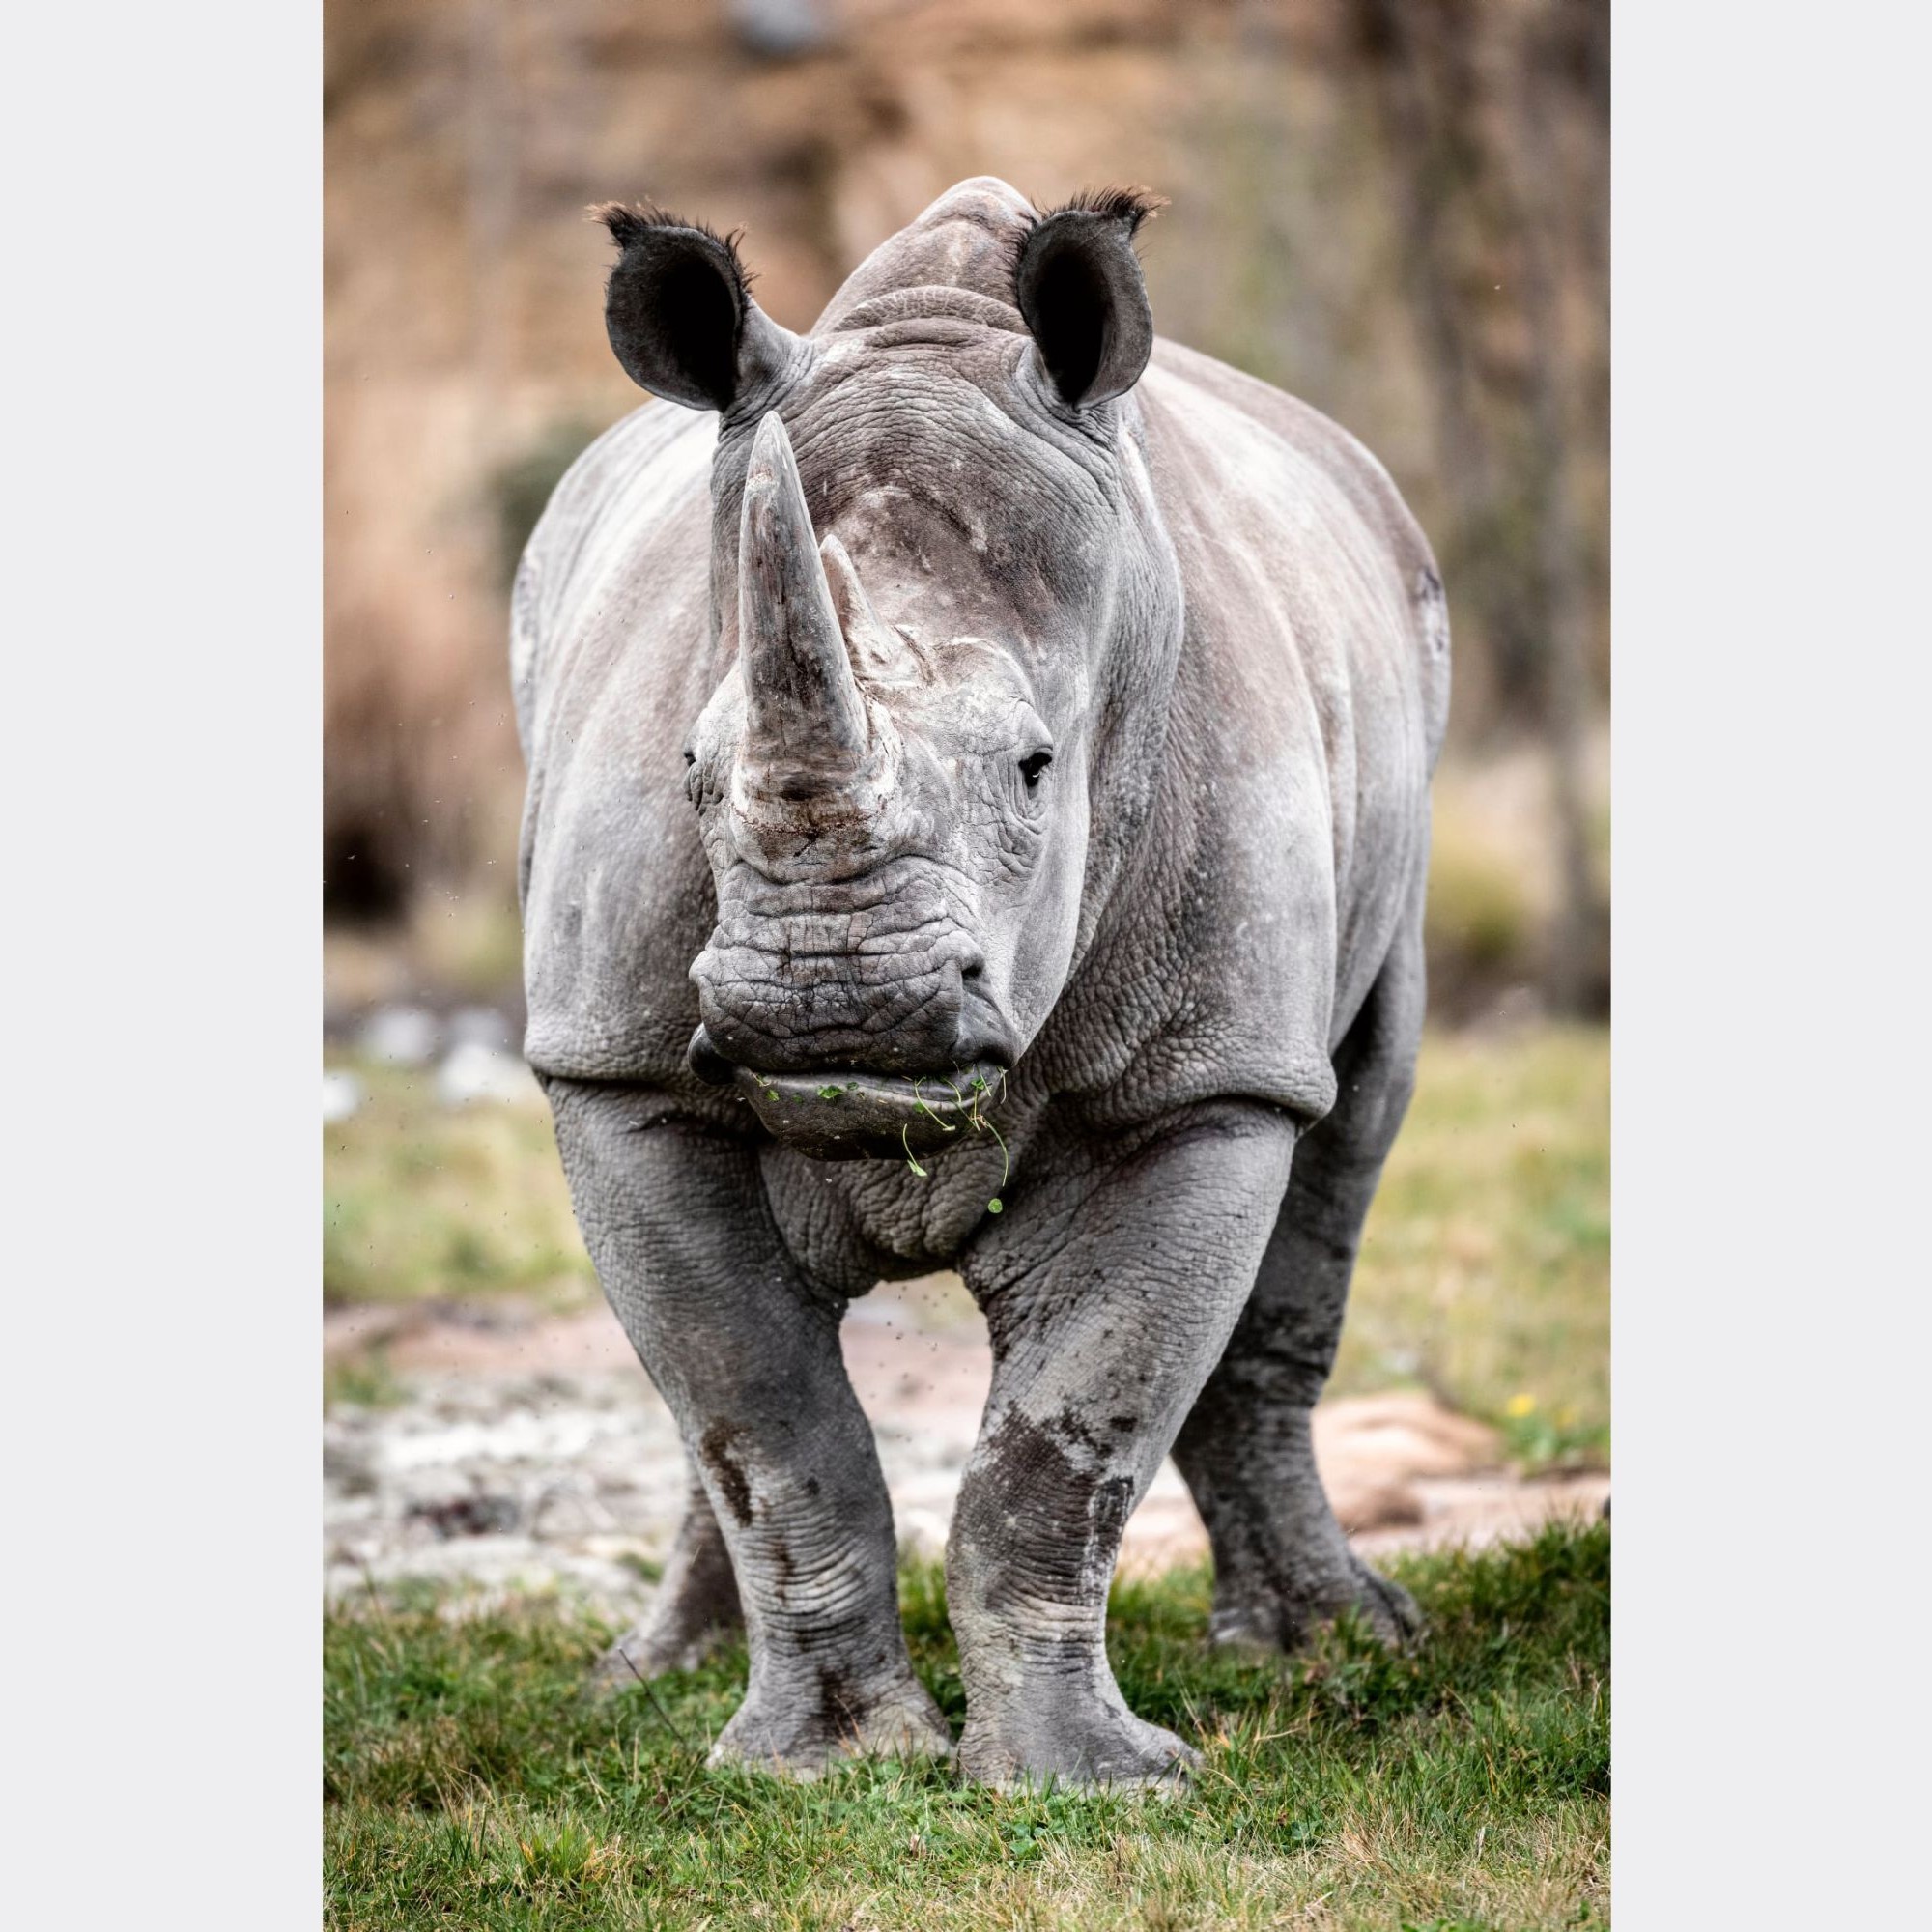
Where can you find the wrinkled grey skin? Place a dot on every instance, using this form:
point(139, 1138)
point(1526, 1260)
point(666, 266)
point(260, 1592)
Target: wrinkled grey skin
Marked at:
point(781, 836)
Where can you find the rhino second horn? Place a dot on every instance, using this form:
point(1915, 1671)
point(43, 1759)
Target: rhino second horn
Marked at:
point(875, 646)
point(804, 713)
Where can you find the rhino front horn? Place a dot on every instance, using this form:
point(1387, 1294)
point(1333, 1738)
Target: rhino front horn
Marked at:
point(804, 712)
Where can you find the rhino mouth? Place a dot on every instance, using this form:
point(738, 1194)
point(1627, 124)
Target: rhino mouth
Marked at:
point(858, 1114)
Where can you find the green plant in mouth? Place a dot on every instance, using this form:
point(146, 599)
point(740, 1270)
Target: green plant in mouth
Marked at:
point(978, 1090)
point(831, 1093)
point(976, 1121)
point(919, 1101)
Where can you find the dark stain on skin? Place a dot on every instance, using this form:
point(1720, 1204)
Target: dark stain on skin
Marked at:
point(1044, 1475)
point(1107, 1516)
point(1070, 1424)
point(839, 1707)
point(715, 1452)
point(1022, 1463)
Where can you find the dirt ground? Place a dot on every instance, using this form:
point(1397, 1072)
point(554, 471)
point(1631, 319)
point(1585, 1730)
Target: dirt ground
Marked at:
point(520, 1453)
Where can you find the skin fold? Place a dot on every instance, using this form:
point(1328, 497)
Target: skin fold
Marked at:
point(977, 817)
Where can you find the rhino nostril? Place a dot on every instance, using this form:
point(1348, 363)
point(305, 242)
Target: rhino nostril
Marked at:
point(707, 1063)
point(972, 969)
point(982, 1038)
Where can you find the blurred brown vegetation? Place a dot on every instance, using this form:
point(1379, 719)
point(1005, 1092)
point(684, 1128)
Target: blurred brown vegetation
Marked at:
point(1396, 208)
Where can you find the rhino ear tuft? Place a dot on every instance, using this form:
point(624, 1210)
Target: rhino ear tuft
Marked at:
point(1079, 288)
point(679, 312)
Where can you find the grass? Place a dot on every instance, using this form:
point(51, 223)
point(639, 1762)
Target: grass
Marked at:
point(419, 1200)
point(1485, 1269)
point(1464, 1785)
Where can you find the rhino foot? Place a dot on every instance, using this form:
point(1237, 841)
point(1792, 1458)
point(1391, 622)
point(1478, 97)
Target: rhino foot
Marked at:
point(696, 1611)
point(1286, 1620)
point(1388, 1608)
point(802, 1735)
point(659, 1643)
point(1092, 1743)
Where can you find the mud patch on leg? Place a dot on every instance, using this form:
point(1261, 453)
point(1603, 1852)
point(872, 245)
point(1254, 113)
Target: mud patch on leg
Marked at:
point(839, 1707)
point(1040, 1514)
point(715, 1453)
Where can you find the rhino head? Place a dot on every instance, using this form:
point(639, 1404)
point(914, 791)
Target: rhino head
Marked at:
point(939, 580)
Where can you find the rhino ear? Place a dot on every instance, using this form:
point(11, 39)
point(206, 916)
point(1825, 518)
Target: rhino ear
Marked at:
point(1079, 285)
point(679, 312)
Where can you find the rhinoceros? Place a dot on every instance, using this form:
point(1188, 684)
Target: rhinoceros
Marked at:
point(977, 819)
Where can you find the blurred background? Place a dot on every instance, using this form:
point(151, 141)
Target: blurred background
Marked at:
point(1396, 208)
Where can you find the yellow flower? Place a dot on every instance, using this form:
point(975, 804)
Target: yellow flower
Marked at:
point(1519, 1406)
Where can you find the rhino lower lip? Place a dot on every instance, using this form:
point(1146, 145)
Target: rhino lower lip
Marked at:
point(850, 1114)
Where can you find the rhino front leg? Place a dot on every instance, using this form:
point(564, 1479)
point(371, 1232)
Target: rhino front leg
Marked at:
point(695, 1608)
point(1281, 1563)
point(1109, 1294)
point(744, 1351)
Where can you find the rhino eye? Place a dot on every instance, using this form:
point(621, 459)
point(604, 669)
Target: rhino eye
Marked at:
point(1032, 765)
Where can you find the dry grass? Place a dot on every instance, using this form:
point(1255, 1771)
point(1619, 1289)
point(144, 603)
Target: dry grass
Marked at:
point(418, 1200)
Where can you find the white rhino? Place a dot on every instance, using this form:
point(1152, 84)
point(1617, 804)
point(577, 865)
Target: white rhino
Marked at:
point(977, 817)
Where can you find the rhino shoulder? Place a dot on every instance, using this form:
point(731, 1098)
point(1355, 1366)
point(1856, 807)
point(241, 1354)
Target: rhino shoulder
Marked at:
point(632, 478)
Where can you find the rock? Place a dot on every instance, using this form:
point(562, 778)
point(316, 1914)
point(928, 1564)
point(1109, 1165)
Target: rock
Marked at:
point(481, 1026)
point(492, 1568)
point(530, 1454)
point(922, 1533)
point(349, 1466)
point(1399, 1435)
point(476, 1515)
point(1365, 1506)
point(476, 1072)
point(399, 1036)
point(342, 1095)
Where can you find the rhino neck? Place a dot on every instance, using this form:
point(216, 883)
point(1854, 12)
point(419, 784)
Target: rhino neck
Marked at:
point(967, 239)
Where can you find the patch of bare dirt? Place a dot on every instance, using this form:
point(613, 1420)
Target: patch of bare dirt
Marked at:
point(531, 1453)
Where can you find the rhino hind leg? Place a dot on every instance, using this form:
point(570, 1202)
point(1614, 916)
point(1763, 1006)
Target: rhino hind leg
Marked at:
point(1281, 1563)
point(696, 1609)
